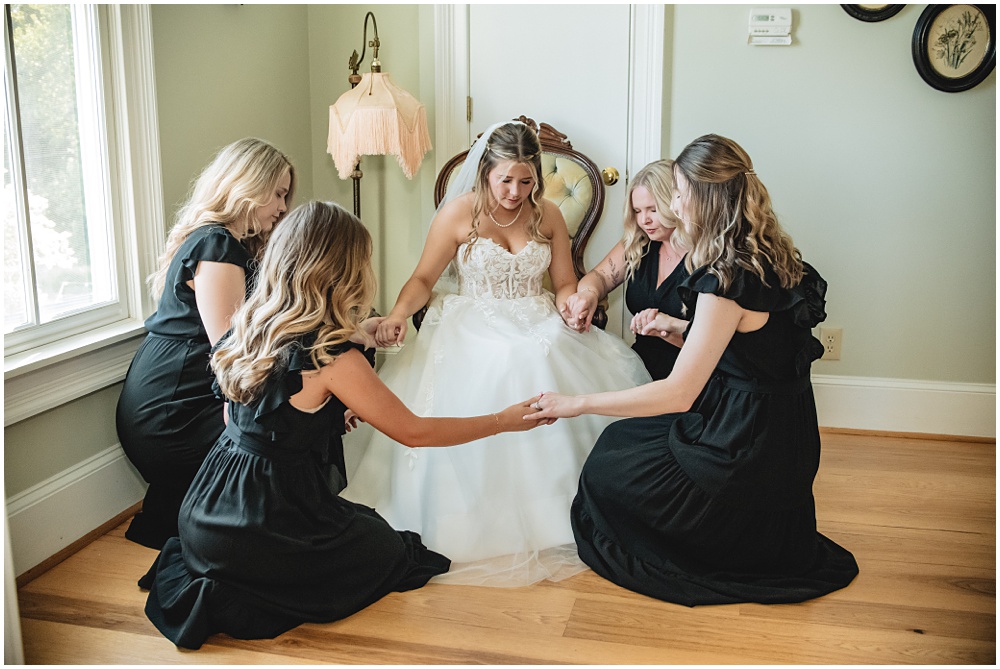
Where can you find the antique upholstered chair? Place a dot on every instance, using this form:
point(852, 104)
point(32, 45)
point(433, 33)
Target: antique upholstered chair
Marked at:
point(572, 181)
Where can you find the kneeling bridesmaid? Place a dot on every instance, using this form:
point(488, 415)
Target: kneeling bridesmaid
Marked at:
point(265, 541)
point(704, 495)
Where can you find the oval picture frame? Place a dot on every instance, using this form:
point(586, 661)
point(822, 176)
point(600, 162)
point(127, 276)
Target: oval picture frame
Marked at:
point(872, 13)
point(954, 46)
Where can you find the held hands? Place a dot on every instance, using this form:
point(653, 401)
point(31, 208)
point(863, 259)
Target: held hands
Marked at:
point(351, 420)
point(369, 326)
point(579, 308)
point(655, 324)
point(550, 406)
point(391, 331)
point(516, 417)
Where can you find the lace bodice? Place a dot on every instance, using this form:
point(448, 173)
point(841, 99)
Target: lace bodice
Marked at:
point(490, 270)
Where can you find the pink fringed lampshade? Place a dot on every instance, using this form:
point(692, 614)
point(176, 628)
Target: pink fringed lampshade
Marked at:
point(377, 118)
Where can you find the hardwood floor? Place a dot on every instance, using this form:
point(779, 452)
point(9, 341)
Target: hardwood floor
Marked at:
point(919, 515)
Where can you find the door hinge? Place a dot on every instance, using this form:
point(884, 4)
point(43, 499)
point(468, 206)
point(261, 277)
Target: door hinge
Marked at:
point(468, 108)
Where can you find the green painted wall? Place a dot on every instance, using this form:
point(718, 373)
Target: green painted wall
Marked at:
point(42, 446)
point(224, 72)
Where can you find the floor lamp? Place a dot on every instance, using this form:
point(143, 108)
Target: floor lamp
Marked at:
point(375, 118)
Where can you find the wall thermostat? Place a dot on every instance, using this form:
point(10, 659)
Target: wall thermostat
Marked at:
point(770, 26)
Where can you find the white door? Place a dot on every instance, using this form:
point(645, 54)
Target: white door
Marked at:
point(568, 66)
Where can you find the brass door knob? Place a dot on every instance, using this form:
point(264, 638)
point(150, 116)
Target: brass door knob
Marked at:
point(610, 176)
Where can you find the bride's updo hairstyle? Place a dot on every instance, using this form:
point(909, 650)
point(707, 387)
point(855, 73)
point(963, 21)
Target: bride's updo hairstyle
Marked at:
point(516, 142)
point(733, 223)
point(658, 178)
point(316, 275)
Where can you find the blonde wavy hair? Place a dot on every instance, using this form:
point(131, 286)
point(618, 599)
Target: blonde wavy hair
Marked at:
point(733, 223)
point(510, 142)
point(316, 276)
point(240, 179)
point(658, 178)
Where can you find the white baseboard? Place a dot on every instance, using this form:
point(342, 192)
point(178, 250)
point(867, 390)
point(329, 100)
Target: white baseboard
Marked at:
point(50, 516)
point(898, 405)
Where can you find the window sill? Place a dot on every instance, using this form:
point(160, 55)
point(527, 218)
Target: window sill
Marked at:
point(52, 375)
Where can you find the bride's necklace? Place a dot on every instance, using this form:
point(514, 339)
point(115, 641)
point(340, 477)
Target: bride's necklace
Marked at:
point(507, 225)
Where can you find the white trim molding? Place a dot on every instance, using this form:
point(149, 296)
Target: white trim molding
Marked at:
point(51, 515)
point(13, 647)
point(451, 90)
point(86, 370)
point(141, 180)
point(900, 405)
point(645, 124)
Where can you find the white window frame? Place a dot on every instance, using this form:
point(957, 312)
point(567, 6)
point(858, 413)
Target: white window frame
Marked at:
point(46, 376)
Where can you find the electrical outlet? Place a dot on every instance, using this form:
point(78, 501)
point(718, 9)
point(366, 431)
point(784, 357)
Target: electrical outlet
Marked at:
point(831, 338)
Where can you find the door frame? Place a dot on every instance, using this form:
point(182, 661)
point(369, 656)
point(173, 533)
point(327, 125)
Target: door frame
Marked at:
point(452, 133)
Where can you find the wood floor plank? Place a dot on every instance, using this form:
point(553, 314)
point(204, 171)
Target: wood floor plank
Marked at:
point(753, 640)
point(108, 568)
point(493, 646)
point(85, 613)
point(943, 502)
point(59, 643)
point(923, 585)
point(516, 610)
point(902, 544)
point(893, 617)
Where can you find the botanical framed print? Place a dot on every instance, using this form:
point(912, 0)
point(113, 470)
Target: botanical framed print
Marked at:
point(872, 13)
point(954, 46)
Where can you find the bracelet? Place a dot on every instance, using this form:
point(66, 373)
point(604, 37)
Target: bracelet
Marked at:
point(497, 429)
point(592, 290)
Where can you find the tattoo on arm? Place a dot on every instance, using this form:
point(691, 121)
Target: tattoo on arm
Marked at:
point(605, 280)
point(615, 279)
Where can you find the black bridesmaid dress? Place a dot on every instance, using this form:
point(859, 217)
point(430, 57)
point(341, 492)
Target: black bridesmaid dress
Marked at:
point(167, 415)
point(643, 293)
point(715, 505)
point(265, 541)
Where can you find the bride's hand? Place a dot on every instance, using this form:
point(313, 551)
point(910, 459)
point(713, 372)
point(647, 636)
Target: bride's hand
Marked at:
point(578, 310)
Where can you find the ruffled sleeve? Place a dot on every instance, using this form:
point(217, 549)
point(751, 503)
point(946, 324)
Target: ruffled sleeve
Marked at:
point(212, 243)
point(286, 380)
point(806, 302)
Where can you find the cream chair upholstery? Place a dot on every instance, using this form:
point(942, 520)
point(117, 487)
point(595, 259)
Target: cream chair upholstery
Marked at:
point(569, 186)
point(572, 181)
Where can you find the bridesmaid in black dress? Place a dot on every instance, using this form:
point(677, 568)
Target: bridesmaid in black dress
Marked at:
point(650, 258)
point(266, 542)
point(706, 496)
point(167, 416)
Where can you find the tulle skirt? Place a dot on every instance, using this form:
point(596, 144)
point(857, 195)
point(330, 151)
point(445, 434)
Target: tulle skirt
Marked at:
point(499, 506)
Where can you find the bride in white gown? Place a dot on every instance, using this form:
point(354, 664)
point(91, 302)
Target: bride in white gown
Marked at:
point(498, 507)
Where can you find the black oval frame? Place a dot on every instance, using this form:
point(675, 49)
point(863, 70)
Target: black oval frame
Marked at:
point(872, 15)
point(921, 35)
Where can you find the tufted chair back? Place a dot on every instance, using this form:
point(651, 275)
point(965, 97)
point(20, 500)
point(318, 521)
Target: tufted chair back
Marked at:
point(572, 181)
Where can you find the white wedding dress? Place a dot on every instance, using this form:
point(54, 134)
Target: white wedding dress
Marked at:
point(497, 507)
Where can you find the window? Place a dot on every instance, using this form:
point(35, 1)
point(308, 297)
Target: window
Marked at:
point(83, 202)
point(62, 273)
